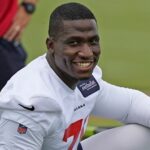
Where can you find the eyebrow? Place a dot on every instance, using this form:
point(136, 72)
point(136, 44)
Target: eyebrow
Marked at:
point(80, 38)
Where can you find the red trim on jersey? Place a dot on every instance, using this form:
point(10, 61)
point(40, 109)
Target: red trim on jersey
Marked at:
point(8, 9)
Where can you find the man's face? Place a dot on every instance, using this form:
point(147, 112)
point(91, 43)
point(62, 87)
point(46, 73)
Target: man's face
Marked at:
point(75, 49)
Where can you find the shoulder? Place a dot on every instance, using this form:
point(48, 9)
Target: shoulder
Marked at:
point(33, 76)
point(31, 86)
point(97, 73)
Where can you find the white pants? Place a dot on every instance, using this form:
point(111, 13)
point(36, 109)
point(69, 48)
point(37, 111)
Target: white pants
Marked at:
point(128, 137)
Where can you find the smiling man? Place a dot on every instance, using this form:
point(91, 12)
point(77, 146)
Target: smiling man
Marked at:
point(46, 105)
point(74, 50)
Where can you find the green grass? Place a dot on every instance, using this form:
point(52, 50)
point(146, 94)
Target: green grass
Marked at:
point(124, 27)
point(102, 122)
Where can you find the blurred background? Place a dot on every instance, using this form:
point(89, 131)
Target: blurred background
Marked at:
point(124, 28)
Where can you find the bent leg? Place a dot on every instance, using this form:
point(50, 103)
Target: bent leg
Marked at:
point(128, 137)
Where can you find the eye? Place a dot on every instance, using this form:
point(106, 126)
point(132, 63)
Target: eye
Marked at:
point(94, 41)
point(73, 43)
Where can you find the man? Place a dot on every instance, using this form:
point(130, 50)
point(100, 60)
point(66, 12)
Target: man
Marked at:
point(46, 105)
point(13, 20)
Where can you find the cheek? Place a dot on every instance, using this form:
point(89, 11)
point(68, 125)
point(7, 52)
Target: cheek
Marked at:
point(64, 56)
point(97, 52)
point(61, 62)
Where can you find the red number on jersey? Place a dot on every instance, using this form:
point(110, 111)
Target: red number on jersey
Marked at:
point(73, 130)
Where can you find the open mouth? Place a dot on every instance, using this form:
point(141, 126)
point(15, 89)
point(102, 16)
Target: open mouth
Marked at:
point(84, 66)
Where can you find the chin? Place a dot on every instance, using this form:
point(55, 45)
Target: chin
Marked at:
point(84, 77)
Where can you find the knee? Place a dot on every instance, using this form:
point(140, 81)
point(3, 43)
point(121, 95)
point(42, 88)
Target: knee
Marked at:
point(127, 137)
point(133, 137)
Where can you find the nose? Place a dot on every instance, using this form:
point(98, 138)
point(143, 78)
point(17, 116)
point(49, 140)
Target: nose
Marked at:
point(85, 51)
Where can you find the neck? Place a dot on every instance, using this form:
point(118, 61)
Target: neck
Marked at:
point(69, 81)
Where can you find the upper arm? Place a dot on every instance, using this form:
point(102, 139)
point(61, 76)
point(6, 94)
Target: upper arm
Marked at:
point(123, 104)
point(113, 102)
point(15, 135)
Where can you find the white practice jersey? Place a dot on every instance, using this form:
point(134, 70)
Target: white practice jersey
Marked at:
point(37, 98)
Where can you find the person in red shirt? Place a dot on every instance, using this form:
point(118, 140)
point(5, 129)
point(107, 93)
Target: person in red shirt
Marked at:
point(14, 17)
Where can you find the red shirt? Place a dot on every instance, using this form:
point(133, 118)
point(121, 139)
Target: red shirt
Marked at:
point(8, 9)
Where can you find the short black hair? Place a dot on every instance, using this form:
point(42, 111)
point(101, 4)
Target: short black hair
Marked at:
point(68, 11)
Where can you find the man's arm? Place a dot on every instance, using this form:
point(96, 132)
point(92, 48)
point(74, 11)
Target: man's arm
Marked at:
point(123, 104)
point(21, 20)
point(21, 136)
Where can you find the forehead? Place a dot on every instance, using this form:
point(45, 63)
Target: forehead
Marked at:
point(73, 27)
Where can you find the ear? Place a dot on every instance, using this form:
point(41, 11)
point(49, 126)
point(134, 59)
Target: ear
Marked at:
point(50, 44)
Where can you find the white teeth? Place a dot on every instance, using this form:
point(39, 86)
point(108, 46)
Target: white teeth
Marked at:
point(84, 64)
